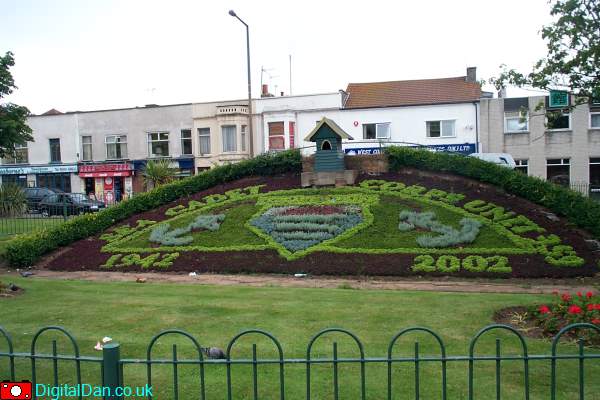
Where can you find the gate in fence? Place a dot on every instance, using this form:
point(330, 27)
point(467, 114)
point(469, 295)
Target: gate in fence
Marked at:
point(112, 369)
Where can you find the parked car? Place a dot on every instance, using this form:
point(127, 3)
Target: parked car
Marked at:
point(69, 203)
point(36, 194)
point(502, 159)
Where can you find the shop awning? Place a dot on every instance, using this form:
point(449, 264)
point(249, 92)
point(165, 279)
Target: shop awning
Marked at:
point(104, 174)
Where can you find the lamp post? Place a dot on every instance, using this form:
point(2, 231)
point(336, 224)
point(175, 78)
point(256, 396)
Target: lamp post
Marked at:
point(250, 130)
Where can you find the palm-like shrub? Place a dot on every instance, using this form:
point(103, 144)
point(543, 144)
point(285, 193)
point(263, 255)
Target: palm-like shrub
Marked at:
point(12, 200)
point(158, 172)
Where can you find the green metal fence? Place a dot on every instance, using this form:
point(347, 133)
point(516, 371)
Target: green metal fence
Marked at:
point(112, 369)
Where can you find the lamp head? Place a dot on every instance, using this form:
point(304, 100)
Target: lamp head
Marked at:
point(232, 13)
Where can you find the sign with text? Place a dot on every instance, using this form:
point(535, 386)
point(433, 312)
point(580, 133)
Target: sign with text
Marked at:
point(558, 98)
point(464, 148)
point(50, 169)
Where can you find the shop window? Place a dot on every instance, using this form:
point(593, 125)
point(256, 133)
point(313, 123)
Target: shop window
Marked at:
point(186, 141)
point(116, 147)
point(522, 166)
point(158, 144)
point(442, 128)
point(229, 138)
point(86, 148)
point(276, 136)
point(54, 150)
point(55, 181)
point(204, 140)
point(18, 180)
point(558, 170)
point(376, 131)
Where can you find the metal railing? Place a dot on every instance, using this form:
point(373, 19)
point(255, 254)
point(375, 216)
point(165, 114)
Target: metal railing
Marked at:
point(114, 370)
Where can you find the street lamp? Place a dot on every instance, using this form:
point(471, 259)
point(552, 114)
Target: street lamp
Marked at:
point(250, 130)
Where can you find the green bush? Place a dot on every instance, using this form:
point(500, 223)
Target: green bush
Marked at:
point(578, 209)
point(26, 249)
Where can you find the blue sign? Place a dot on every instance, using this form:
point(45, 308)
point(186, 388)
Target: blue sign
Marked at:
point(465, 148)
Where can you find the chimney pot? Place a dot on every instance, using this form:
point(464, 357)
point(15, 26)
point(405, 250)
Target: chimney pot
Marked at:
point(471, 74)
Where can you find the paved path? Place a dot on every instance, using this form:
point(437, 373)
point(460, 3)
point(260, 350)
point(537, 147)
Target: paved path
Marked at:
point(440, 285)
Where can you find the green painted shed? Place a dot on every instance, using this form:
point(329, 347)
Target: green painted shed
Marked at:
point(329, 155)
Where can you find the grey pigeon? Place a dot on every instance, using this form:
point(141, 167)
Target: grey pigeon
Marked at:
point(12, 287)
point(213, 352)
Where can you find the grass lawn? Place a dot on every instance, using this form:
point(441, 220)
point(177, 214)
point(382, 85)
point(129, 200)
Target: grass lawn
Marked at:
point(132, 313)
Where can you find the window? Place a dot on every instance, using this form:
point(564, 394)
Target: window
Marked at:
point(276, 136)
point(116, 147)
point(595, 171)
point(229, 138)
point(516, 121)
point(204, 140)
point(436, 129)
point(376, 131)
point(19, 156)
point(558, 170)
point(558, 120)
point(54, 150)
point(243, 137)
point(326, 145)
point(292, 134)
point(158, 144)
point(86, 148)
point(186, 141)
point(595, 120)
point(17, 180)
point(522, 166)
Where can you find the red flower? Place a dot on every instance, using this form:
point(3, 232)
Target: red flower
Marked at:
point(574, 309)
point(579, 294)
point(589, 295)
point(591, 307)
point(596, 321)
point(596, 306)
point(566, 297)
point(544, 309)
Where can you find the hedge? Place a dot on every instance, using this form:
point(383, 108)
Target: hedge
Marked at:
point(24, 250)
point(578, 209)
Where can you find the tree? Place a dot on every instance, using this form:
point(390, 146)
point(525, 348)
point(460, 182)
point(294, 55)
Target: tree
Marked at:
point(158, 172)
point(13, 118)
point(573, 59)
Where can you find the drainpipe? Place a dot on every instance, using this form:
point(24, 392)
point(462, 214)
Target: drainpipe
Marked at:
point(476, 127)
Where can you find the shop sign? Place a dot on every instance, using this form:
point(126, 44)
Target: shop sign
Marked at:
point(49, 169)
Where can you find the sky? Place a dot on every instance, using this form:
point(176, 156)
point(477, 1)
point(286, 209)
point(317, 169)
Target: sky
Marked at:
point(87, 55)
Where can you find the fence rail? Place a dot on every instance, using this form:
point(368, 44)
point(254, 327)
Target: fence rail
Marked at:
point(113, 369)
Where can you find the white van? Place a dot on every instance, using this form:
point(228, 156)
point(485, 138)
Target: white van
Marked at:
point(502, 159)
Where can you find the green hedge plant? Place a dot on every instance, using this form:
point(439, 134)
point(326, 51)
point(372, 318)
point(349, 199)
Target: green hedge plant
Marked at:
point(578, 209)
point(26, 249)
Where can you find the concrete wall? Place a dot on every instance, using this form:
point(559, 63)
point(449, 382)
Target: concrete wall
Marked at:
point(135, 123)
point(407, 124)
point(539, 144)
point(63, 127)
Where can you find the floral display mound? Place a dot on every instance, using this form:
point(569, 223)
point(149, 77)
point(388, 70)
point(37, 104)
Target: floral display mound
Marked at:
point(405, 223)
point(546, 320)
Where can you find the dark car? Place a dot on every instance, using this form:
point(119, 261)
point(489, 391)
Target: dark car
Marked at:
point(36, 194)
point(69, 204)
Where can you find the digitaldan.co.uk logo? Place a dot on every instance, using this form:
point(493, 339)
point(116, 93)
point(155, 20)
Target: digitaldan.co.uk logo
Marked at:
point(15, 390)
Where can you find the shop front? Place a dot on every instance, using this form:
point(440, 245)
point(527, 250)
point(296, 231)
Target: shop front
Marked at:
point(107, 182)
point(182, 167)
point(47, 176)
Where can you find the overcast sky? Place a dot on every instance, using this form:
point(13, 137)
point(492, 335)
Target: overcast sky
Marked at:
point(84, 55)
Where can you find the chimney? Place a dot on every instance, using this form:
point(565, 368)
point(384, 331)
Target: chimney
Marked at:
point(471, 75)
point(282, 94)
point(265, 91)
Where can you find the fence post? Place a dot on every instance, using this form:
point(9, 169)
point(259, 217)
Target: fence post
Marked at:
point(65, 214)
point(111, 356)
